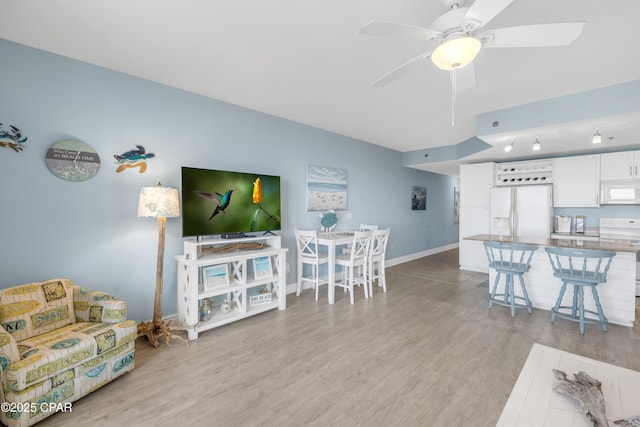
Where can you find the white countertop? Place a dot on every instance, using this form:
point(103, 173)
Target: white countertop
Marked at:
point(559, 243)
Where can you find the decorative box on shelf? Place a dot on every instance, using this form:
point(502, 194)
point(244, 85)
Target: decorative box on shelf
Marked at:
point(260, 299)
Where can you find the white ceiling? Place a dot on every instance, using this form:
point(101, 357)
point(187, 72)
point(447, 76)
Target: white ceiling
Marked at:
point(305, 61)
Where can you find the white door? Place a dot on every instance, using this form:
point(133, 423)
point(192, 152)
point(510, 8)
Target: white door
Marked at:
point(501, 211)
point(534, 211)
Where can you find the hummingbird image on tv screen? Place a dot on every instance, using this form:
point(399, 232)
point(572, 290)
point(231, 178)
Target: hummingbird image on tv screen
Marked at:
point(221, 200)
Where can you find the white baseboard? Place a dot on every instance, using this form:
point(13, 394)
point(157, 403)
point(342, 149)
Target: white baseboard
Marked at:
point(475, 269)
point(417, 255)
point(292, 287)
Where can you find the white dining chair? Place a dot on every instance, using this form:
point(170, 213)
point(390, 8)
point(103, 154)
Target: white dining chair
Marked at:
point(363, 227)
point(354, 264)
point(308, 254)
point(368, 227)
point(377, 254)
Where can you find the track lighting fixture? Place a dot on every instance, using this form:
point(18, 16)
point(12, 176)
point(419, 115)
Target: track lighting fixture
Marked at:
point(597, 138)
point(536, 145)
point(508, 147)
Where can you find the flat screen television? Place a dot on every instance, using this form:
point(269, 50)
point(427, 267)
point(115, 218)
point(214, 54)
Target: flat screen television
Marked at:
point(217, 202)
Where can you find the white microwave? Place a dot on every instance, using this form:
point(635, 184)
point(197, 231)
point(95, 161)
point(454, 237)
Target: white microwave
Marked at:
point(620, 193)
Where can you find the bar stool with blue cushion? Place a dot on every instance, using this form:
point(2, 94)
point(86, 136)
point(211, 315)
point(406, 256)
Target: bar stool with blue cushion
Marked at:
point(580, 268)
point(510, 259)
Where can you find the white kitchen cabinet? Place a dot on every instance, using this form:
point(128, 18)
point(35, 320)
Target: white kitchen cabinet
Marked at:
point(476, 181)
point(576, 181)
point(529, 172)
point(622, 165)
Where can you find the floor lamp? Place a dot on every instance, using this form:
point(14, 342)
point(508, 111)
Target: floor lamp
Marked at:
point(161, 203)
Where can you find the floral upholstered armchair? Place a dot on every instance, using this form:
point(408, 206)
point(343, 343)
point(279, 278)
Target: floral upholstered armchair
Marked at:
point(58, 342)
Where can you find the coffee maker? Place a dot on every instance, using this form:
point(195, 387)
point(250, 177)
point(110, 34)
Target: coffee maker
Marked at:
point(562, 224)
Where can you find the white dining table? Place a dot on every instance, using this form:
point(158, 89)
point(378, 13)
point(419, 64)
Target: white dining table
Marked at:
point(333, 239)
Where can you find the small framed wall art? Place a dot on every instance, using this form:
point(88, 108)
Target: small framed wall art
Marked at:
point(262, 267)
point(216, 276)
point(418, 198)
point(456, 205)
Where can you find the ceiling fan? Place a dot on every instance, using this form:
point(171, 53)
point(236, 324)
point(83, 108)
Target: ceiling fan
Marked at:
point(460, 39)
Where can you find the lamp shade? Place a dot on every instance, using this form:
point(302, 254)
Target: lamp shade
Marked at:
point(158, 202)
point(456, 53)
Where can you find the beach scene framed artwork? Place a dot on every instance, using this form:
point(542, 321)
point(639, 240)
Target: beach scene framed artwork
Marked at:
point(326, 188)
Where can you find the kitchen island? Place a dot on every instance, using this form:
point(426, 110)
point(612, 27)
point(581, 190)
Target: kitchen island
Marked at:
point(617, 294)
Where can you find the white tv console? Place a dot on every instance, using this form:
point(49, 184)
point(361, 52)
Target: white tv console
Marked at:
point(248, 290)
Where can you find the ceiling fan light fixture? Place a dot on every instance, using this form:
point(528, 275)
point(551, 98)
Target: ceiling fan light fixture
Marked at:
point(536, 145)
point(508, 147)
point(456, 53)
point(597, 138)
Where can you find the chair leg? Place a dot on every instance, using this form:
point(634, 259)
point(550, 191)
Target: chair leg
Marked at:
point(299, 287)
point(506, 288)
point(524, 293)
point(554, 311)
point(580, 291)
point(366, 285)
point(512, 296)
point(603, 320)
point(493, 291)
point(370, 277)
point(350, 280)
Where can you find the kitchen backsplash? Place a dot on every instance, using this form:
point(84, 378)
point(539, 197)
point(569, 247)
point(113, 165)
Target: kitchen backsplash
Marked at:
point(593, 215)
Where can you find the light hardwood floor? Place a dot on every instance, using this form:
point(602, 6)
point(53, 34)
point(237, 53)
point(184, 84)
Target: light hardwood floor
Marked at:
point(427, 353)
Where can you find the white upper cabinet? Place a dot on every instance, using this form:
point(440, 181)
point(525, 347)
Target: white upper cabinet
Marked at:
point(475, 185)
point(576, 181)
point(617, 166)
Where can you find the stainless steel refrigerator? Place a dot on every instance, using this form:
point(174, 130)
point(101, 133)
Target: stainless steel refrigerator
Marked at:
point(525, 211)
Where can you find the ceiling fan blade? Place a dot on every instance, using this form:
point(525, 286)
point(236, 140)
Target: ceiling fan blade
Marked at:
point(401, 31)
point(539, 35)
point(402, 69)
point(483, 11)
point(465, 78)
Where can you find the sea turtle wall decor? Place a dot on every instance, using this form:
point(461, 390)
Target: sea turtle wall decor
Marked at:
point(136, 158)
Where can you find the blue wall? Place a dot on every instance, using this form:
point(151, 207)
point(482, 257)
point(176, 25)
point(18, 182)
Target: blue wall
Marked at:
point(90, 232)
